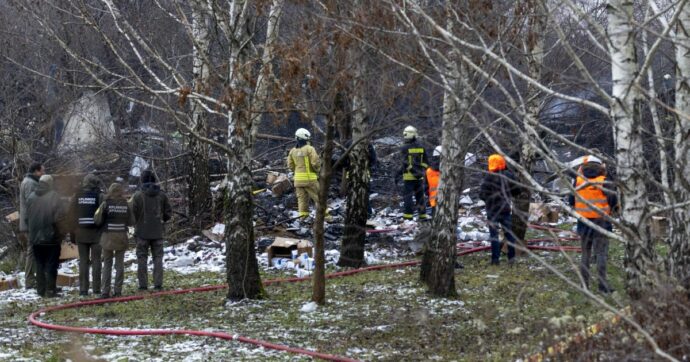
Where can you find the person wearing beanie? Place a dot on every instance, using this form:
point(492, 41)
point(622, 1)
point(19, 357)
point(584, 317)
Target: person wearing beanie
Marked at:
point(45, 218)
point(83, 206)
point(113, 215)
point(151, 209)
point(496, 190)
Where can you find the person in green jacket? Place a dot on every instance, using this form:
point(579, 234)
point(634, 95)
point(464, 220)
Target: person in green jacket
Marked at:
point(28, 185)
point(113, 215)
point(45, 217)
point(151, 209)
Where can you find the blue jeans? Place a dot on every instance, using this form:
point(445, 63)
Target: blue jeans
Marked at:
point(503, 221)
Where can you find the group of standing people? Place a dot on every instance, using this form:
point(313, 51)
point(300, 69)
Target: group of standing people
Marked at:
point(594, 198)
point(98, 222)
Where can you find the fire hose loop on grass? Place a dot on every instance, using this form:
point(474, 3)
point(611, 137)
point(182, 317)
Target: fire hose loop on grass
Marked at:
point(33, 317)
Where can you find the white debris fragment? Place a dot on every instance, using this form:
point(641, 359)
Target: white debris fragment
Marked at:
point(218, 229)
point(309, 307)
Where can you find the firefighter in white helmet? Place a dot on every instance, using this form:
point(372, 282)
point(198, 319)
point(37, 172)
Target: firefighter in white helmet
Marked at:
point(305, 163)
point(413, 169)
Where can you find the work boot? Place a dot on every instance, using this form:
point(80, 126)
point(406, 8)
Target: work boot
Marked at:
point(52, 294)
point(495, 262)
point(511, 262)
point(105, 296)
point(458, 265)
point(605, 289)
point(83, 294)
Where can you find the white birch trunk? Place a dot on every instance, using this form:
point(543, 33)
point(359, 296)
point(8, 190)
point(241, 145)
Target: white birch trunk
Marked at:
point(679, 263)
point(438, 262)
point(265, 76)
point(242, 267)
point(534, 49)
point(198, 193)
point(625, 113)
point(656, 121)
point(358, 176)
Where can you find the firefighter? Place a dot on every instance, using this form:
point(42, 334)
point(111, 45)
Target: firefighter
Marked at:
point(433, 177)
point(305, 163)
point(413, 169)
point(593, 186)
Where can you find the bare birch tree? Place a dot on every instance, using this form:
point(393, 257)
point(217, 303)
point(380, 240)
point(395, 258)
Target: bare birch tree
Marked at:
point(198, 183)
point(679, 265)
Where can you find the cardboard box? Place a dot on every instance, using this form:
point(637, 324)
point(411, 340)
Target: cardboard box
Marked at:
point(659, 227)
point(281, 186)
point(69, 251)
point(7, 283)
point(67, 280)
point(283, 247)
point(13, 217)
point(544, 213)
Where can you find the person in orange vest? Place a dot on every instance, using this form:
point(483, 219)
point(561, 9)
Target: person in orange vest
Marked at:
point(433, 177)
point(595, 200)
point(496, 191)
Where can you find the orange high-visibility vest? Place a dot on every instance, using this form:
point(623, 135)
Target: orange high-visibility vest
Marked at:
point(593, 193)
point(432, 178)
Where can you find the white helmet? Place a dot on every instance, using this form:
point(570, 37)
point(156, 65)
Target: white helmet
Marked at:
point(302, 134)
point(591, 159)
point(437, 151)
point(409, 133)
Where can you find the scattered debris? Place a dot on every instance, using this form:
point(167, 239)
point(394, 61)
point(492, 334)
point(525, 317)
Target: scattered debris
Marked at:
point(67, 280)
point(69, 251)
point(544, 213)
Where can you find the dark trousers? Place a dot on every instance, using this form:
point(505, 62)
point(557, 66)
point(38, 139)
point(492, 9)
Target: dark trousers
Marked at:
point(156, 247)
point(502, 221)
point(589, 240)
point(414, 189)
point(119, 257)
point(89, 256)
point(46, 258)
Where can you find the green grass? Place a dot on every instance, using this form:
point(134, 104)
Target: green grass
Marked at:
point(502, 313)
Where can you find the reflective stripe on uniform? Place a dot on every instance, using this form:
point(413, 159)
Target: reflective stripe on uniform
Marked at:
point(308, 175)
point(408, 216)
point(591, 191)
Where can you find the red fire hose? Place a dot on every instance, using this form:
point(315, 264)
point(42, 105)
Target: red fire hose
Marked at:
point(222, 335)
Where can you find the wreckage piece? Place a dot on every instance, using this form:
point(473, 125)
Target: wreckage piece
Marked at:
point(283, 247)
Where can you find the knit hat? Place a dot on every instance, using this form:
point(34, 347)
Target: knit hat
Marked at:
point(46, 180)
point(496, 163)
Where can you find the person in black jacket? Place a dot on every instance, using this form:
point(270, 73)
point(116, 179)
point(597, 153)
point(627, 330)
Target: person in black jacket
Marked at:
point(413, 170)
point(151, 209)
point(82, 210)
point(596, 200)
point(496, 191)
